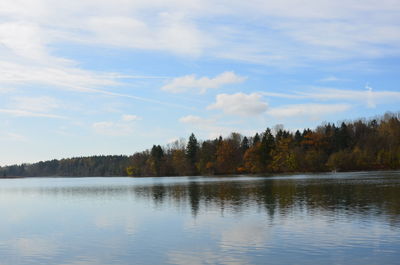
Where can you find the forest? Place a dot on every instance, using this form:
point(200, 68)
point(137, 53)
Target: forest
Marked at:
point(372, 144)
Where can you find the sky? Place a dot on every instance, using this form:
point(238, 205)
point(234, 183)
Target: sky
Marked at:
point(91, 77)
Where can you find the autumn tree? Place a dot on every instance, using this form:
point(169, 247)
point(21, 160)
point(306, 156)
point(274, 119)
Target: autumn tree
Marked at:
point(283, 157)
point(228, 156)
point(207, 157)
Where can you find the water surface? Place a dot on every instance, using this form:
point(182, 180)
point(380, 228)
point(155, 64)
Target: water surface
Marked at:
point(344, 218)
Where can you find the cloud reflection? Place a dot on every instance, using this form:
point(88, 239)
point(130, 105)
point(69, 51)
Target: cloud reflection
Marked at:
point(244, 235)
point(204, 257)
point(34, 246)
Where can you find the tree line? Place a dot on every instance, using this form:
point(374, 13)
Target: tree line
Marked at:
point(362, 144)
point(77, 167)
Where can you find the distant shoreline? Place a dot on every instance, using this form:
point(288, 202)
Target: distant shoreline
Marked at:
point(222, 175)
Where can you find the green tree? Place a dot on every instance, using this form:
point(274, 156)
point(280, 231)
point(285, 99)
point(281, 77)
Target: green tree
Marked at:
point(156, 160)
point(266, 147)
point(192, 149)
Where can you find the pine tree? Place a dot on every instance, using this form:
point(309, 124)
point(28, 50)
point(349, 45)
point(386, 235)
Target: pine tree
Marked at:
point(245, 144)
point(191, 152)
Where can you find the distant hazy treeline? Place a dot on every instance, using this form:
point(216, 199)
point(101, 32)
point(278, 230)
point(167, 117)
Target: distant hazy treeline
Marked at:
point(358, 145)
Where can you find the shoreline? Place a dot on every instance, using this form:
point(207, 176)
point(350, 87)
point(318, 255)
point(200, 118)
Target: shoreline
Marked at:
point(224, 175)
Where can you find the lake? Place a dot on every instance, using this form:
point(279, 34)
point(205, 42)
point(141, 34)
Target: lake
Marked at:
point(341, 218)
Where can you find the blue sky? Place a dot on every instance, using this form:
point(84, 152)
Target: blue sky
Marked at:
point(114, 77)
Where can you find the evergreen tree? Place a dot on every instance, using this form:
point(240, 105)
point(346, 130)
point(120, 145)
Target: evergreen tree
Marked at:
point(297, 137)
point(156, 155)
point(343, 137)
point(267, 145)
point(191, 152)
point(245, 144)
point(256, 139)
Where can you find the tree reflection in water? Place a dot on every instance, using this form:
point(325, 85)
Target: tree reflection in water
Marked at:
point(328, 194)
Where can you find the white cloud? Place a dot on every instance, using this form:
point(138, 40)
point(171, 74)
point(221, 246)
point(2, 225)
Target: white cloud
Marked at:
point(188, 82)
point(129, 117)
point(307, 110)
point(240, 104)
point(27, 60)
point(326, 30)
point(166, 32)
point(308, 31)
point(23, 40)
point(318, 29)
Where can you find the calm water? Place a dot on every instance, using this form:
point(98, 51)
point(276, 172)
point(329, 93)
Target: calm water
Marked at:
point(346, 218)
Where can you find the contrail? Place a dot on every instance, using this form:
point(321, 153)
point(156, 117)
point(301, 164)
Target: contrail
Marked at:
point(104, 92)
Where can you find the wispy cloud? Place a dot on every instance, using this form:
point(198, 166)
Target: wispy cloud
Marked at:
point(196, 120)
point(27, 60)
point(123, 127)
point(6, 89)
point(26, 113)
point(35, 104)
point(315, 111)
point(213, 127)
point(202, 84)
point(70, 79)
point(332, 79)
point(319, 30)
point(113, 128)
point(126, 76)
point(163, 33)
point(38, 107)
point(369, 97)
point(10, 136)
point(59, 76)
